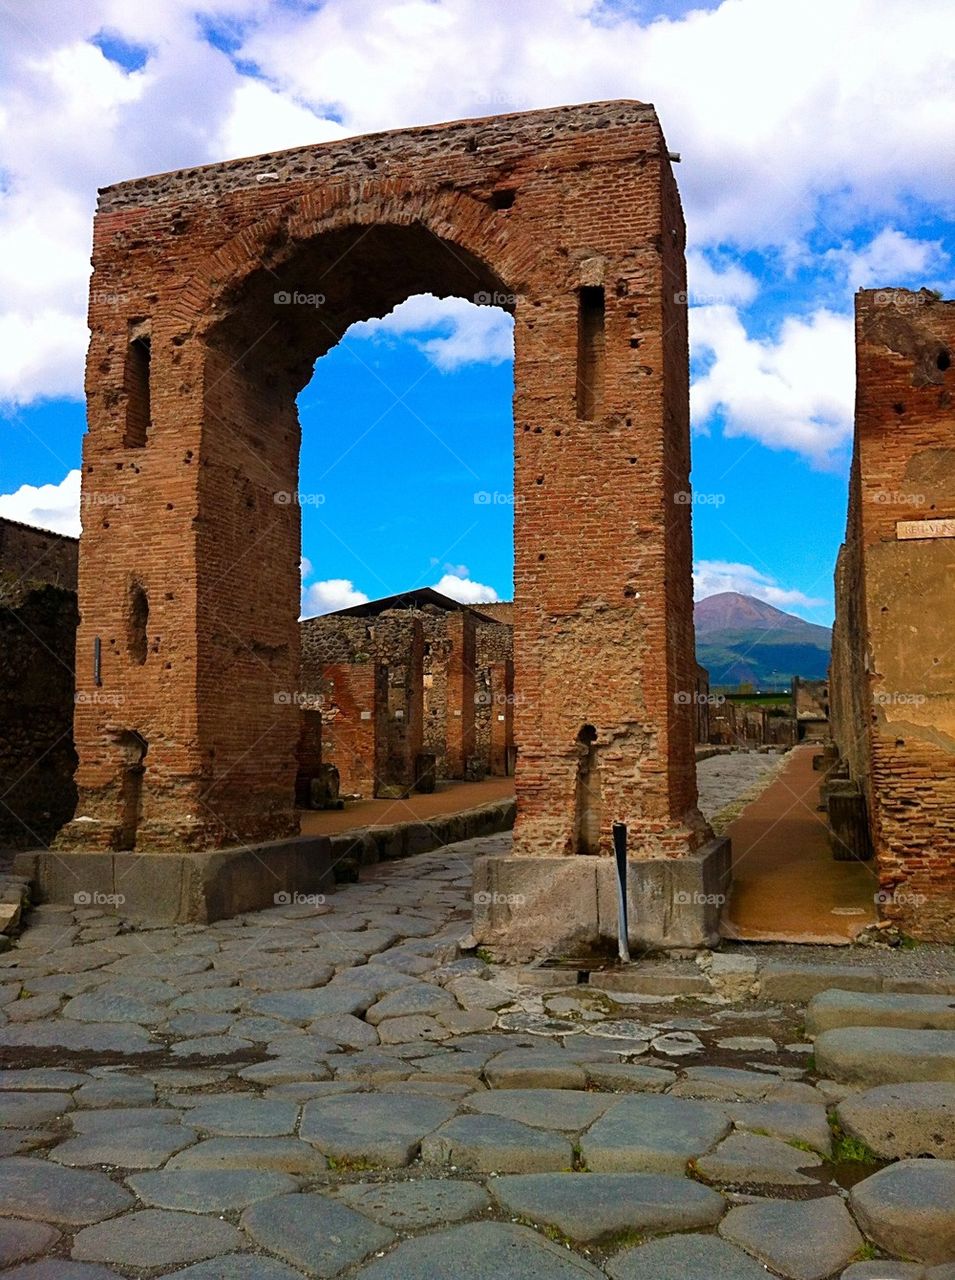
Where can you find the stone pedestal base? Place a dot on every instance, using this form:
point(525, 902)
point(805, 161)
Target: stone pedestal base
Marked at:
point(531, 907)
point(182, 888)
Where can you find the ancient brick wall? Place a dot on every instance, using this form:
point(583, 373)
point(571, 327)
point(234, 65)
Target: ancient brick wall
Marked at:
point(38, 620)
point(215, 290)
point(897, 569)
point(494, 693)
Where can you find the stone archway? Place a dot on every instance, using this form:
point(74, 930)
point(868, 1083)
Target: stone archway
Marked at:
point(215, 290)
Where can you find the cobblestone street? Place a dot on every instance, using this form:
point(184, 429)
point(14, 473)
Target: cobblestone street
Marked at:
point(333, 1088)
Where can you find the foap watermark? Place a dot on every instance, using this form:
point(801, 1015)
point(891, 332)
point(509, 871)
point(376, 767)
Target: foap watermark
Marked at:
point(686, 898)
point(693, 498)
point(483, 498)
point(484, 298)
point(899, 699)
point(296, 298)
point(484, 898)
point(97, 698)
point(100, 499)
point(299, 698)
point(95, 898)
point(691, 298)
point(286, 898)
point(897, 498)
point(899, 899)
point(693, 697)
point(285, 498)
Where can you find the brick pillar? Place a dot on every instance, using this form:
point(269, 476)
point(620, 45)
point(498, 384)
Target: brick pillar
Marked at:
point(460, 692)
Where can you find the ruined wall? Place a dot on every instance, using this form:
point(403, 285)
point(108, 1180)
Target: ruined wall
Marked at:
point(495, 694)
point(215, 290)
point(38, 620)
point(898, 567)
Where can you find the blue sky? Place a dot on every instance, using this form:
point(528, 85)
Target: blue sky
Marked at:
point(813, 164)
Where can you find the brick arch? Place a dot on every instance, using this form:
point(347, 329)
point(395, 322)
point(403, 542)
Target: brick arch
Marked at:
point(575, 210)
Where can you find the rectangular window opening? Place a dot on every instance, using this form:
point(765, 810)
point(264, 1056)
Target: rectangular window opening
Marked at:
point(590, 352)
point(136, 386)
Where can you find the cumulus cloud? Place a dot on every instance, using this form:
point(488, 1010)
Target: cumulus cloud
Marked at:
point(329, 595)
point(461, 588)
point(46, 506)
point(710, 282)
point(889, 258)
point(794, 391)
point(767, 141)
point(470, 333)
point(710, 577)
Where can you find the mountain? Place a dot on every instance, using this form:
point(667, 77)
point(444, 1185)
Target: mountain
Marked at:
point(743, 640)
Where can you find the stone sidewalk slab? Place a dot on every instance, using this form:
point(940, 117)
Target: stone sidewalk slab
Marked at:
point(898, 1120)
point(857, 1009)
point(909, 1208)
point(885, 1055)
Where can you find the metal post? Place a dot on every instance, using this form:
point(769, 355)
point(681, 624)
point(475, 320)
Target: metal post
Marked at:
point(620, 857)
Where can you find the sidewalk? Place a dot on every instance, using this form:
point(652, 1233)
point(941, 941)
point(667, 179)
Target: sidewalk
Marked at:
point(787, 885)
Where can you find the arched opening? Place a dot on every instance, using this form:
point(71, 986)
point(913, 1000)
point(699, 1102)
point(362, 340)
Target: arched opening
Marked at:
point(262, 352)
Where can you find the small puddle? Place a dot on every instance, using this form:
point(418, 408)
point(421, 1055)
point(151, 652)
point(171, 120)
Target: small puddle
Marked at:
point(846, 1173)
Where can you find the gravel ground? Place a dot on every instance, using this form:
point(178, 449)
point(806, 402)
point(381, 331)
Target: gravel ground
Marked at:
point(728, 782)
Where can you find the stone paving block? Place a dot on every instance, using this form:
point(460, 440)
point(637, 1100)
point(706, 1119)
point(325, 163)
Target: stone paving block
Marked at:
point(685, 1257)
point(798, 1239)
point(236, 1266)
point(109, 1006)
point(155, 1238)
point(314, 1232)
point(79, 1037)
point(209, 1190)
point(23, 1110)
point(28, 1008)
point(885, 1055)
point(281, 1155)
point(909, 1208)
point(592, 1206)
point(402, 1030)
point(422, 999)
point(858, 1009)
point(211, 1047)
point(345, 1029)
point(800, 982)
point(569, 1110)
point(489, 1143)
point(245, 1117)
point(423, 1202)
point(41, 1191)
point(652, 1134)
point(527, 1069)
point(724, 1084)
point(303, 1007)
point(897, 1120)
point(378, 1129)
point(40, 1079)
point(629, 1077)
point(103, 1119)
point(751, 1158)
point(147, 1147)
point(61, 1269)
point(21, 1240)
point(791, 1121)
point(116, 1091)
point(477, 1251)
point(884, 1269)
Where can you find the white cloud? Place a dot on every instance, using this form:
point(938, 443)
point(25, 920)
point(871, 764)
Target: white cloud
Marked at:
point(709, 283)
point(330, 595)
point(464, 590)
point(710, 577)
point(792, 392)
point(47, 506)
point(473, 334)
point(890, 258)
